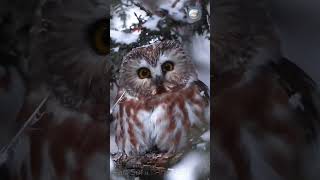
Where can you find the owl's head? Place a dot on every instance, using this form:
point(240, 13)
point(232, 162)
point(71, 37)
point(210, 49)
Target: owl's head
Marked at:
point(156, 69)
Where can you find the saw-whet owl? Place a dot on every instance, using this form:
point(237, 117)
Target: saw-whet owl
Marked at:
point(266, 109)
point(163, 98)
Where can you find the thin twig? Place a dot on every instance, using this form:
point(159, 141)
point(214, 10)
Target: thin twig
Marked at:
point(25, 125)
point(120, 98)
point(149, 13)
point(147, 164)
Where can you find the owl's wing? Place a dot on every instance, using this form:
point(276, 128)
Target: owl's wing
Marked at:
point(203, 88)
point(204, 112)
point(303, 90)
point(259, 95)
point(244, 40)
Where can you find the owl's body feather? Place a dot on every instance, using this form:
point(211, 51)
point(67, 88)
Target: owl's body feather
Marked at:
point(162, 122)
point(158, 109)
point(63, 144)
point(68, 61)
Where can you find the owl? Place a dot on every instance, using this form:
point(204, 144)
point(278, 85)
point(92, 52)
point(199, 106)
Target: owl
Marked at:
point(66, 83)
point(161, 99)
point(266, 109)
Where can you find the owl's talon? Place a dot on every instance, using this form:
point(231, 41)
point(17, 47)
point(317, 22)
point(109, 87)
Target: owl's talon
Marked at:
point(120, 156)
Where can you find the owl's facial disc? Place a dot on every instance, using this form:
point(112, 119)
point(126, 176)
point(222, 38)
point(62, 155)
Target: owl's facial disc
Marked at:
point(160, 68)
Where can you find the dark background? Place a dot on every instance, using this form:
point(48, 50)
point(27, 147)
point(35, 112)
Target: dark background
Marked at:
point(299, 28)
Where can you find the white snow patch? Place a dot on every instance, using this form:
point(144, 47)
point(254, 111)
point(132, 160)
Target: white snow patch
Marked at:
point(152, 23)
point(154, 40)
point(202, 146)
point(206, 136)
point(177, 12)
point(200, 53)
point(111, 165)
point(116, 49)
point(130, 18)
point(124, 38)
point(189, 168)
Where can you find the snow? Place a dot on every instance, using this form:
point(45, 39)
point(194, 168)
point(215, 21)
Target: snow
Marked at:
point(130, 18)
point(116, 49)
point(202, 146)
point(206, 136)
point(152, 23)
point(124, 38)
point(154, 40)
point(177, 12)
point(208, 8)
point(111, 165)
point(189, 168)
point(200, 53)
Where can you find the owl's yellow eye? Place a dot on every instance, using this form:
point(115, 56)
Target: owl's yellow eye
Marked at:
point(167, 66)
point(99, 37)
point(144, 73)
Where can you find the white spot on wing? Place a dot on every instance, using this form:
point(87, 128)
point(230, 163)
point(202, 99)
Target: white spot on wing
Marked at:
point(295, 101)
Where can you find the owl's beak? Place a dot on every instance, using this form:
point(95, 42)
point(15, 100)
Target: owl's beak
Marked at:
point(158, 81)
